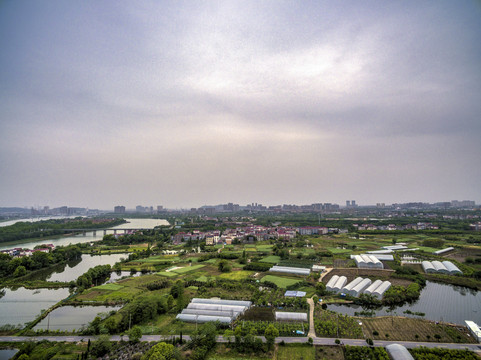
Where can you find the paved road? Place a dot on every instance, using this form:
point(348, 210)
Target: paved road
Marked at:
point(317, 341)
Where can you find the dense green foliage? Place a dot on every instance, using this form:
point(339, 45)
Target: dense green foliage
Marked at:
point(42, 229)
point(364, 352)
point(93, 276)
point(424, 353)
point(331, 324)
point(38, 260)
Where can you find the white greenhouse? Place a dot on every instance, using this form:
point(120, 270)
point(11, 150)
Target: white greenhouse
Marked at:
point(440, 268)
point(332, 281)
point(372, 287)
point(398, 352)
point(205, 310)
point(428, 267)
point(222, 302)
point(453, 269)
point(442, 251)
point(359, 288)
point(351, 285)
point(203, 318)
point(339, 284)
point(290, 316)
point(290, 270)
point(381, 289)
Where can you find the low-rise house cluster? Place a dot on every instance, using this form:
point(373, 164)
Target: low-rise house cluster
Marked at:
point(393, 227)
point(19, 252)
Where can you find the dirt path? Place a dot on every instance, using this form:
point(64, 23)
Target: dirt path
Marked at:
point(312, 331)
point(324, 273)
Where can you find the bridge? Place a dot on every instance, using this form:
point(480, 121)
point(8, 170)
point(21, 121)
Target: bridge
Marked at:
point(114, 230)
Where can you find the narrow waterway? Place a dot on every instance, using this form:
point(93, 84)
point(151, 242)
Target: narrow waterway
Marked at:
point(89, 235)
point(439, 302)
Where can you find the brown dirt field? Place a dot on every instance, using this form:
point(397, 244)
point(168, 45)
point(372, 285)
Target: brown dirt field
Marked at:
point(406, 329)
point(329, 352)
point(461, 254)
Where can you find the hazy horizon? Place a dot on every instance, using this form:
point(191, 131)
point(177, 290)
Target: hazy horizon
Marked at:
point(184, 104)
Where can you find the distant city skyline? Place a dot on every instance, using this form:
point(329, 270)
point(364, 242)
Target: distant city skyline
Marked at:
point(106, 103)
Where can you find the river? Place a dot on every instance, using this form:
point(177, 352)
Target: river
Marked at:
point(89, 235)
point(439, 302)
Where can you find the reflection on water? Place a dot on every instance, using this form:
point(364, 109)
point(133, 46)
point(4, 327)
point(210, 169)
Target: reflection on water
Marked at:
point(21, 305)
point(7, 354)
point(72, 317)
point(72, 270)
point(439, 302)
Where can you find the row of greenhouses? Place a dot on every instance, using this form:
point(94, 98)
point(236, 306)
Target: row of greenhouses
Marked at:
point(358, 286)
point(367, 261)
point(438, 267)
point(291, 270)
point(205, 310)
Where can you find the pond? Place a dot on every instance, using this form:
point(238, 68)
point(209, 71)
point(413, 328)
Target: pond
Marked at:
point(72, 270)
point(439, 302)
point(6, 354)
point(71, 318)
point(19, 306)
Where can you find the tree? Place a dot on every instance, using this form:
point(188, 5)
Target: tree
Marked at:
point(270, 334)
point(161, 351)
point(320, 288)
point(224, 266)
point(135, 334)
point(101, 346)
point(20, 271)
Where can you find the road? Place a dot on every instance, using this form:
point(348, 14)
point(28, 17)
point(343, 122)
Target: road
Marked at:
point(317, 341)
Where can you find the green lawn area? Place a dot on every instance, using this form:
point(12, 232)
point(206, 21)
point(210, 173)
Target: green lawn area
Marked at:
point(236, 275)
point(211, 261)
point(264, 247)
point(273, 259)
point(158, 258)
point(202, 278)
point(339, 251)
point(167, 274)
point(281, 282)
point(296, 351)
point(187, 269)
point(111, 287)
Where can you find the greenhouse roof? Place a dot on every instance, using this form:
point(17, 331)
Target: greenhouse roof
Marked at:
point(290, 293)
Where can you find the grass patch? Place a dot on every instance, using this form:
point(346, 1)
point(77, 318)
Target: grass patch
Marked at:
point(166, 274)
point(273, 259)
point(111, 287)
point(202, 278)
point(339, 251)
point(187, 269)
point(296, 351)
point(281, 282)
point(236, 275)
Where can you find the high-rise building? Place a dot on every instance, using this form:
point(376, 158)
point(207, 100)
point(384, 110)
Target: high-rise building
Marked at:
point(348, 203)
point(119, 209)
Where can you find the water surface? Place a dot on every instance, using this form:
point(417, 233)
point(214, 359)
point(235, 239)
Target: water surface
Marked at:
point(439, 302)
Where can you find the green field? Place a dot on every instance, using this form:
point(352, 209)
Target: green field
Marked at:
point(166, 274)
point(296, 351)
point(236, 275)
point(281, 282)
point(111, 287)
point(273, 259)
point(187, 269)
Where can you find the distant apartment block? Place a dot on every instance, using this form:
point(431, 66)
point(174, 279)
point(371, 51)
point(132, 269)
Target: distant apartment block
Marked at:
point(119, 209)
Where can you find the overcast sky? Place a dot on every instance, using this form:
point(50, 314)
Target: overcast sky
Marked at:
point(183, 104)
